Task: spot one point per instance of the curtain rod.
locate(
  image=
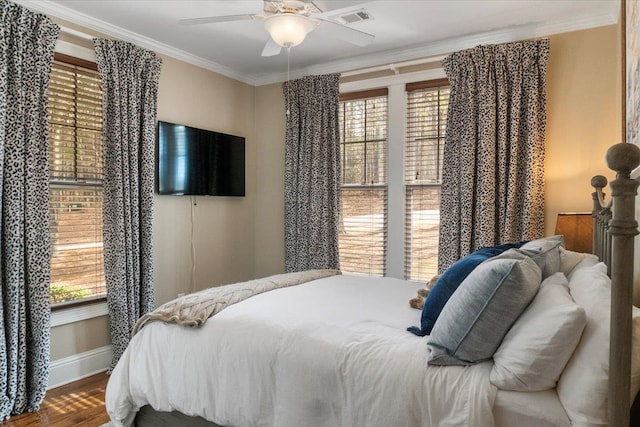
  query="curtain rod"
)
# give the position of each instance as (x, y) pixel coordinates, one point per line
(393, 66)
(75, 33)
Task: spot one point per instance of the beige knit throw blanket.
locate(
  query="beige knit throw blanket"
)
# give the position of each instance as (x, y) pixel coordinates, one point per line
(194, 309)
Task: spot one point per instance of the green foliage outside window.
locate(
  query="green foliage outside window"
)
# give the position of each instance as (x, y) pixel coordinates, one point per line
(67, 293)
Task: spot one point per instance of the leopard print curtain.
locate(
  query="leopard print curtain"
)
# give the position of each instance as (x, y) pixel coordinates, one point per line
(493, 169)
(312, 173)
(27, 42)
(129, 76)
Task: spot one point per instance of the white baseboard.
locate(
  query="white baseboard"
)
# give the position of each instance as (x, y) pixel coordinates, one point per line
(78, 366)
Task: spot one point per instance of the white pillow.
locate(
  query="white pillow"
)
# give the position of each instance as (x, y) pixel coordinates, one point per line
(546, 253)
(583, 385)
(536, 349)
(589, 261)
(569, 259)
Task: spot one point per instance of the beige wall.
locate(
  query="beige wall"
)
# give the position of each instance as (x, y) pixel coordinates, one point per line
(583, 116)
(269, 214)
(223, 227)
(78, 337)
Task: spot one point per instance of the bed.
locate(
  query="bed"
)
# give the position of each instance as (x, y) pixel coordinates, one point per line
(325, 349)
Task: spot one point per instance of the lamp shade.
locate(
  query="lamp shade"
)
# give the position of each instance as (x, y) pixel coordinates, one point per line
(288, 29)
(577, 229)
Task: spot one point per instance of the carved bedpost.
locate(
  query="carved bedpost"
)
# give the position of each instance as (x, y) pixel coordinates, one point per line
(622, 158)
(606, 224)
(598, 182)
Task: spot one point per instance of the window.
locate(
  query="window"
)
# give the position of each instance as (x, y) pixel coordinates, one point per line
(363, 214)
(425, 133)
(75, 186)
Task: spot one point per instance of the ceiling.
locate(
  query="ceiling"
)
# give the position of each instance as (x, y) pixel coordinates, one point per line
(403, 30)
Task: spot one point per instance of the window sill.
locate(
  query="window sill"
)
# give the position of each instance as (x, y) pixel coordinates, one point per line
(79, 313)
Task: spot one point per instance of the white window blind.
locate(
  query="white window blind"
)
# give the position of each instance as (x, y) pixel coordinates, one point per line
(427, 104)
(363, 214)
(75, 190)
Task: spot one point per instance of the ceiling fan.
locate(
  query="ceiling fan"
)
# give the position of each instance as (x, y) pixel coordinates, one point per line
(288, 23)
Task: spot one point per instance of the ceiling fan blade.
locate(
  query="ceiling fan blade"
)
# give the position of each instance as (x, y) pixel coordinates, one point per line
(348, 34)
(214, 19)
(271, 48)
(314, 4)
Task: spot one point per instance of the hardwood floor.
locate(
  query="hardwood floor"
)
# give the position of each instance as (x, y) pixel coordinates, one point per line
(80, 403)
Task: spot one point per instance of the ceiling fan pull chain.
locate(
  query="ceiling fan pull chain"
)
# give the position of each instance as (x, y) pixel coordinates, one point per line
(288, 80)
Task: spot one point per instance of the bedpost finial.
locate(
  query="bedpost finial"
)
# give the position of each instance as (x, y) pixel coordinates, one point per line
(623, 157)
(598, 181)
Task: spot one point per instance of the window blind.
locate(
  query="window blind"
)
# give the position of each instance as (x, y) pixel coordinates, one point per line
(75, 190)
(427, 104)
(363, 213)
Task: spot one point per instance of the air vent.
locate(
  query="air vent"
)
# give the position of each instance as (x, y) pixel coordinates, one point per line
(351, 17)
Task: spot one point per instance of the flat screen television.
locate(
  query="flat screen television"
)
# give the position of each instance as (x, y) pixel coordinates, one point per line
(191, 161)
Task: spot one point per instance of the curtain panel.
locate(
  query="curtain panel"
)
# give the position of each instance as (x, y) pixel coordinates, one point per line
(27, 42)
(129, 76)
(312, 173)
(493, 168)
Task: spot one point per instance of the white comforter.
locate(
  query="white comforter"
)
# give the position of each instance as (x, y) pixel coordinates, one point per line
(332, 352)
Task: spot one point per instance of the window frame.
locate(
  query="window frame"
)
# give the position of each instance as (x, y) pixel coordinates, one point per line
(426, 184)
(373, 187)
(395, 84)
(94, 306)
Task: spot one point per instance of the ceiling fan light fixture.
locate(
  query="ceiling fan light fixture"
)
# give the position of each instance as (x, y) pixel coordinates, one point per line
(288, 29)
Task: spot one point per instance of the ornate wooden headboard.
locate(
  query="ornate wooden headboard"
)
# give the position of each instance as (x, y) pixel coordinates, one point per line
(615, 227)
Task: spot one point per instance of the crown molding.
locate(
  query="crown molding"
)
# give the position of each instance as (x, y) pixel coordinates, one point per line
(368, 60)
(61, 12)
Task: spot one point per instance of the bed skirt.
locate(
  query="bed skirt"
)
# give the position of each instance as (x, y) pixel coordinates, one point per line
(149, 417)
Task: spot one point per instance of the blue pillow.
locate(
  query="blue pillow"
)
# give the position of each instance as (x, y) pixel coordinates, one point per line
(449, 281)
(481, 311)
